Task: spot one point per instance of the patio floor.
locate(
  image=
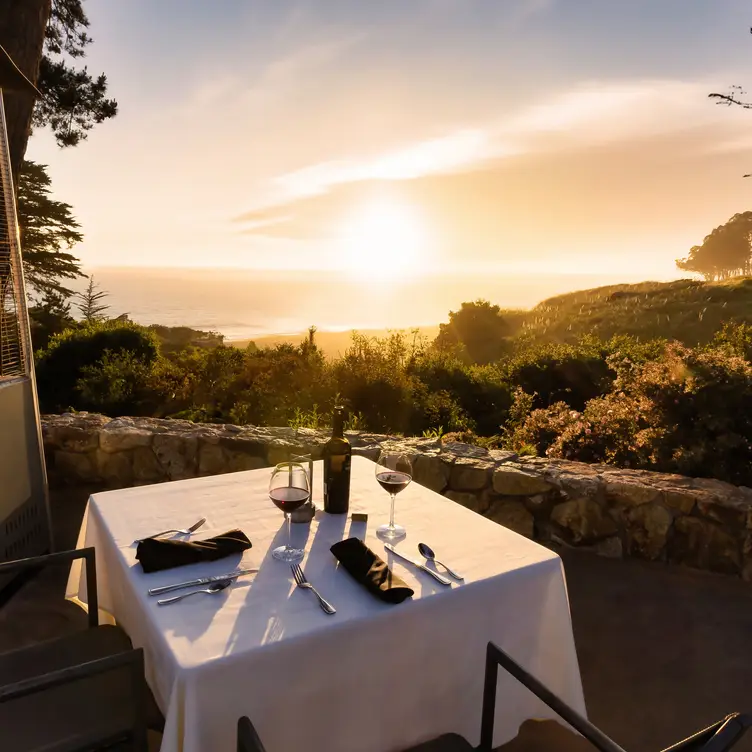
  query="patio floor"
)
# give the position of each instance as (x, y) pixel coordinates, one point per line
(662, 650)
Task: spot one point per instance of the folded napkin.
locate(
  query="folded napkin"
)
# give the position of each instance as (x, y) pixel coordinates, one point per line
(164, 553)
(370, 571)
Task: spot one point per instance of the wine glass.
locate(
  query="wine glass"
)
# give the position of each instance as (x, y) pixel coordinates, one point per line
(394, 471)
(289, 488)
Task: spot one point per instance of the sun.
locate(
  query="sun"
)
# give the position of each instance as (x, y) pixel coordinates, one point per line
(384, 233)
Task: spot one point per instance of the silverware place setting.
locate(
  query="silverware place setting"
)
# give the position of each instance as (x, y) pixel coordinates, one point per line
(302, 582)
(427, 553)
(438, 577)
(213, 589)
(201, 581)
(187, 531)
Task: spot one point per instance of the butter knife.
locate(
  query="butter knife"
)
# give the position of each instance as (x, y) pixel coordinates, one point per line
(200, 581)
(435, 575)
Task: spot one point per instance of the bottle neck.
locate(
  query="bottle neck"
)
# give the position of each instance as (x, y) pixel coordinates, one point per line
(338, 426)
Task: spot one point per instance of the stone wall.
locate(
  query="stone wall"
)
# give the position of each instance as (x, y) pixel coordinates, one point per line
(697, 522)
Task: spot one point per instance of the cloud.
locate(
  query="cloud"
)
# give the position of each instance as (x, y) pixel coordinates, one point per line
(590, 114)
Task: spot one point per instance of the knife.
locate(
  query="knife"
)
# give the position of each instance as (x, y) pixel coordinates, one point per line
(435, 575)
(201, 581)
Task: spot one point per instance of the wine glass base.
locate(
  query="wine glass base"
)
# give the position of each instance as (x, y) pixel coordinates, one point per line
(288, 554)
(391, 533)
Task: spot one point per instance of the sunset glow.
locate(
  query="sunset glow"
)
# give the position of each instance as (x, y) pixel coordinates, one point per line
(384, 234)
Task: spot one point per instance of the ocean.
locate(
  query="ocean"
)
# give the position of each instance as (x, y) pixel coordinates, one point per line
(243, 304)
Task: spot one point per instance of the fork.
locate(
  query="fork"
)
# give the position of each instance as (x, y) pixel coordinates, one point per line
(302, 582)
(186, 531)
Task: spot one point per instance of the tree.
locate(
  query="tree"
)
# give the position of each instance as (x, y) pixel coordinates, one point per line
(48, 231)
(91, 307)
(44, 37)
(479, 328)
(725, 252)
(22, 34)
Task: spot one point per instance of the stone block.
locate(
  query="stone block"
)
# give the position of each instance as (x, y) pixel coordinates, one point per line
(703, 544)
(730, 511)
(647, 530)
(469, 475)
(681, 500)
(76, 467)
(475, 502)
(120, 438)
(509, 480)
(626, 493)
(72, 438)
(512, 514)
(212, 460)
(177, 454)
(146, 466)
(116, 469)
(583, 521)
(431, 472)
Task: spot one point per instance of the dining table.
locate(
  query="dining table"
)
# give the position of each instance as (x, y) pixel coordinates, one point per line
(374, 676)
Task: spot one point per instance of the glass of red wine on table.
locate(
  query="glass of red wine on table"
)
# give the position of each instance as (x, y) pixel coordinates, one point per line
(289, 488)
(394, 471)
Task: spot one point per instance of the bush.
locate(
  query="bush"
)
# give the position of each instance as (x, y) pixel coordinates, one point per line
(62, 363)
(689, 412)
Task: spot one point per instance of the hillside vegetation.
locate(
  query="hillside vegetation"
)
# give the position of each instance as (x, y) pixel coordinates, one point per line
(655, 376)
(689, 311)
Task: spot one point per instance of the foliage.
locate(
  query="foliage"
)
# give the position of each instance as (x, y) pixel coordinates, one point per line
(72, 101)
(91, 306)
(478, 329)
(63, 362)
(689, 311)
(724, 253)
(687, 412)
(48, 231)
(50, 316)
(173, 339)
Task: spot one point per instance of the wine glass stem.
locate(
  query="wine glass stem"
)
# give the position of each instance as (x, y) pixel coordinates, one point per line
(288, 517)
(391, 512)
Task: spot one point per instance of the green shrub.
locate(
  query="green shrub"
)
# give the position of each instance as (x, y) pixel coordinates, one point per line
(689, 412)
(62, 363)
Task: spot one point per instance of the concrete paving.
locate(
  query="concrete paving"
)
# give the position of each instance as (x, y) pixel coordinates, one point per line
(663, 651)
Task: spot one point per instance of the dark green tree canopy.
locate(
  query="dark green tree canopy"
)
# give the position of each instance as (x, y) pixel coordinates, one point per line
(478, 328)
(72, 101)
(48, 231)
(725, 252)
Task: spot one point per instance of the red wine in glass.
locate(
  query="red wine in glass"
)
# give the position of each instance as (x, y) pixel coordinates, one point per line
(394, 471)
(393, 482)
(289, 488)
(289, 499)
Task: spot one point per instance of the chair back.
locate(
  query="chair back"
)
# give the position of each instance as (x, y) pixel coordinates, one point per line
(93, 705)
(248, 739)
(720, 737)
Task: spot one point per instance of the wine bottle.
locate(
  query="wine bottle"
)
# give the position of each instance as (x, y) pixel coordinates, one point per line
(337, 456)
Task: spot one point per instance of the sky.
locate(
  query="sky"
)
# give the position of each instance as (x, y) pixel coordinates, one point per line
(488, 136)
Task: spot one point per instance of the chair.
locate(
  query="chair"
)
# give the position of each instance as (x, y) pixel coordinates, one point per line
(546, 736)
(88, 687)
(248, 739)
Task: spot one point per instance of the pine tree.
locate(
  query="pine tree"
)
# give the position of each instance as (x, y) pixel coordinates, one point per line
(91, 306)
(48, 232)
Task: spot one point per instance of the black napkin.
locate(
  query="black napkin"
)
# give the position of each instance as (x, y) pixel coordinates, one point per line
(370, 571)
(160, 553)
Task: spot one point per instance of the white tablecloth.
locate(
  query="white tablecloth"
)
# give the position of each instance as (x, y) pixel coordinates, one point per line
(374, 677)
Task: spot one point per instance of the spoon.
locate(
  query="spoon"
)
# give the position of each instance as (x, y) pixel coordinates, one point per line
(427, 553)
(217, 587)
